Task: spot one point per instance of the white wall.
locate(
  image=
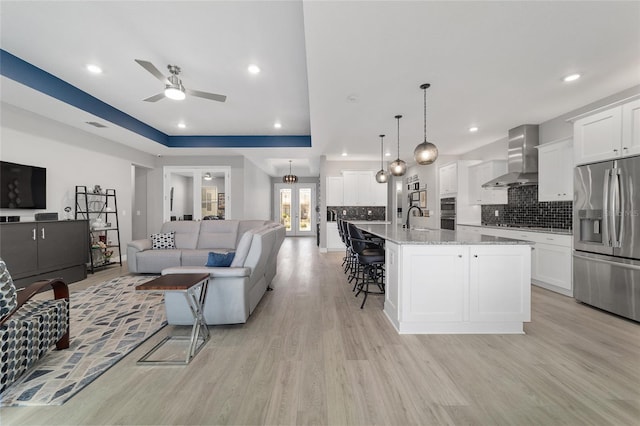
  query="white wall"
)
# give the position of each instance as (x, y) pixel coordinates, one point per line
(257, 192)
(72, 157)
(139, 201)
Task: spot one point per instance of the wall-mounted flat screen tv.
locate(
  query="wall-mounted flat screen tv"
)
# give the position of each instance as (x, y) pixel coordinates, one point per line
(22, 186)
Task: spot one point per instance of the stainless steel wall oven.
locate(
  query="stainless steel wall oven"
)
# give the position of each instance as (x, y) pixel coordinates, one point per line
(448, 213)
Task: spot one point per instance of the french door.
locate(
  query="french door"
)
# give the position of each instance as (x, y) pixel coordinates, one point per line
(295, 208)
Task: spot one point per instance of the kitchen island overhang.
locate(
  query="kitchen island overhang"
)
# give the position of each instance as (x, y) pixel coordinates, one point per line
(453, 282)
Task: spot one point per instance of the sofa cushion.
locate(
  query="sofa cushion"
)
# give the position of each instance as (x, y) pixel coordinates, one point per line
(152, 261)
(243, 249)
(162, 241)
(8, 300)
(246, 225)
(218, 234)
(220, 259)
(186, 232)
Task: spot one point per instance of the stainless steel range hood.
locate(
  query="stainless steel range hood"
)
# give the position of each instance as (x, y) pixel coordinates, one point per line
(522, 165)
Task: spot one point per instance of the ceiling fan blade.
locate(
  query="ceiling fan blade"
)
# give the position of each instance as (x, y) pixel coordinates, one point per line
(206, 95)
(153, 70)
(155, 98)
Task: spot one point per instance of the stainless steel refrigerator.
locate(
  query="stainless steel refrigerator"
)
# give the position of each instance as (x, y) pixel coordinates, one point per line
(606, 234)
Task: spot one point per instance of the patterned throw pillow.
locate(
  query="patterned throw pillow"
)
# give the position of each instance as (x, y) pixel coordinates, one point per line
(163, 241)
(7, 291)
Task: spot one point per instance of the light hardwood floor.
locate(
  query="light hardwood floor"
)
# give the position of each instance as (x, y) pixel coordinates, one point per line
(309, 355)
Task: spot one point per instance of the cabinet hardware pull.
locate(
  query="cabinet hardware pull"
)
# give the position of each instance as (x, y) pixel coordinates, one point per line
(459, 255)
(615, 150)
(475, 255)
(33, 237)
(43, 233)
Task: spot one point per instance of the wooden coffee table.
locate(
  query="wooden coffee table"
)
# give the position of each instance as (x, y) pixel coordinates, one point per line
(194, 288)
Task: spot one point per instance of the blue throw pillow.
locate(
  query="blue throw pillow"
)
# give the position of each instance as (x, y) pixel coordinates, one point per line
(220, 259)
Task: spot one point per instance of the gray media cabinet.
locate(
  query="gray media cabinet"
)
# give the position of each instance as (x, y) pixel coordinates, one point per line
(47, 249)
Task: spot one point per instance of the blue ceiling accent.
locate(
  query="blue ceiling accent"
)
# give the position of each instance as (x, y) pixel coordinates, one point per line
(301, 141)
(23, 72)
(36, 78)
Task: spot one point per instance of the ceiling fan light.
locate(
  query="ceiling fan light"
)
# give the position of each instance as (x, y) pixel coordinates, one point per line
(174, 93)
(425, 153)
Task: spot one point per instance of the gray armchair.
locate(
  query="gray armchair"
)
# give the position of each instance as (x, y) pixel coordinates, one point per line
(28, 328)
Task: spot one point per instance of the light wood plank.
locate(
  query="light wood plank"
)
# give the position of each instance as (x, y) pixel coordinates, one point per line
(310, 355)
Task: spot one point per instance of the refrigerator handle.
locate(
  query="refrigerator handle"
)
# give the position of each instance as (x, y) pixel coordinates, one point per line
(618, 206)
(606, 213)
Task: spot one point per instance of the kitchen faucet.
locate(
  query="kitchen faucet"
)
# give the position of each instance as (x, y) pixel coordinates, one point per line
(409, 214)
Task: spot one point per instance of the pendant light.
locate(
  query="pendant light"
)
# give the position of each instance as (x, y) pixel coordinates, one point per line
(426, 152)
(398, 167)
(290, 178)
(382, 176)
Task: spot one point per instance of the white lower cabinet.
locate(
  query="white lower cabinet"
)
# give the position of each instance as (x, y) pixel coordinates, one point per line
(426, 298)
(551, 257)
(552, 266)
(334, 242)
(496, 292)
(458, 288)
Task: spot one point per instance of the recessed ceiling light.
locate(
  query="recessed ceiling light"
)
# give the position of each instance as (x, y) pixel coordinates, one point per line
(572, 77)
(94, 69)
(253, 69)
(277, 125)
(473, 129)
(344, 154)
(182, 125)
(387, 154)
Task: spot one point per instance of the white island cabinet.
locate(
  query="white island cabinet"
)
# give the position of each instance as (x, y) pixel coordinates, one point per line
(448, 282)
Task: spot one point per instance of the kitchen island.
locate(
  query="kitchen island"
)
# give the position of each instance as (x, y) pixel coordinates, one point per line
(441, 282)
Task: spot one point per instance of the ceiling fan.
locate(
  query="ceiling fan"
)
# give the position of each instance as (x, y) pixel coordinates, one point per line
(173, 85)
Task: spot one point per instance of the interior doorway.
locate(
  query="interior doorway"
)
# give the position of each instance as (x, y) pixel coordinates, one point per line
(295, 208)
(196, 193)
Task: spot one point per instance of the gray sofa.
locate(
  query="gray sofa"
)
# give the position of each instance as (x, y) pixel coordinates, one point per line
(234, 292)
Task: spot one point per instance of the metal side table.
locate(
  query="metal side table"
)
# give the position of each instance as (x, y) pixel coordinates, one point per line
(194, 288)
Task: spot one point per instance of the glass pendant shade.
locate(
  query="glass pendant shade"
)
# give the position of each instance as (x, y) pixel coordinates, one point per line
(382, 176)
(290, 178)
(398, 167)
(426, 152)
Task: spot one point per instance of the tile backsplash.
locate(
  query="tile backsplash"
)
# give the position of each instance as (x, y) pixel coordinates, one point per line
(359, 212)
(524, 208)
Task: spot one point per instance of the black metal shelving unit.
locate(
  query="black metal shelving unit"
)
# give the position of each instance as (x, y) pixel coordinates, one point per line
(100, 208)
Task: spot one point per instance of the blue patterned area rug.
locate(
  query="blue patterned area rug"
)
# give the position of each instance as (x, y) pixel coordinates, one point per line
(108, 321)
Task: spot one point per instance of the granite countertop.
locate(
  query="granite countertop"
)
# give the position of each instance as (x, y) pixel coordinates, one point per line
(541, 229)
(424, 236)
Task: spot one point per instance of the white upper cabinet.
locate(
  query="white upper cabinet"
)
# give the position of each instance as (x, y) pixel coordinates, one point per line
(483, 173)
(448, 180)
(609, 134)
(335, 191)
(631, 128)
(555, 171)
(379, 193)
(362, 189)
